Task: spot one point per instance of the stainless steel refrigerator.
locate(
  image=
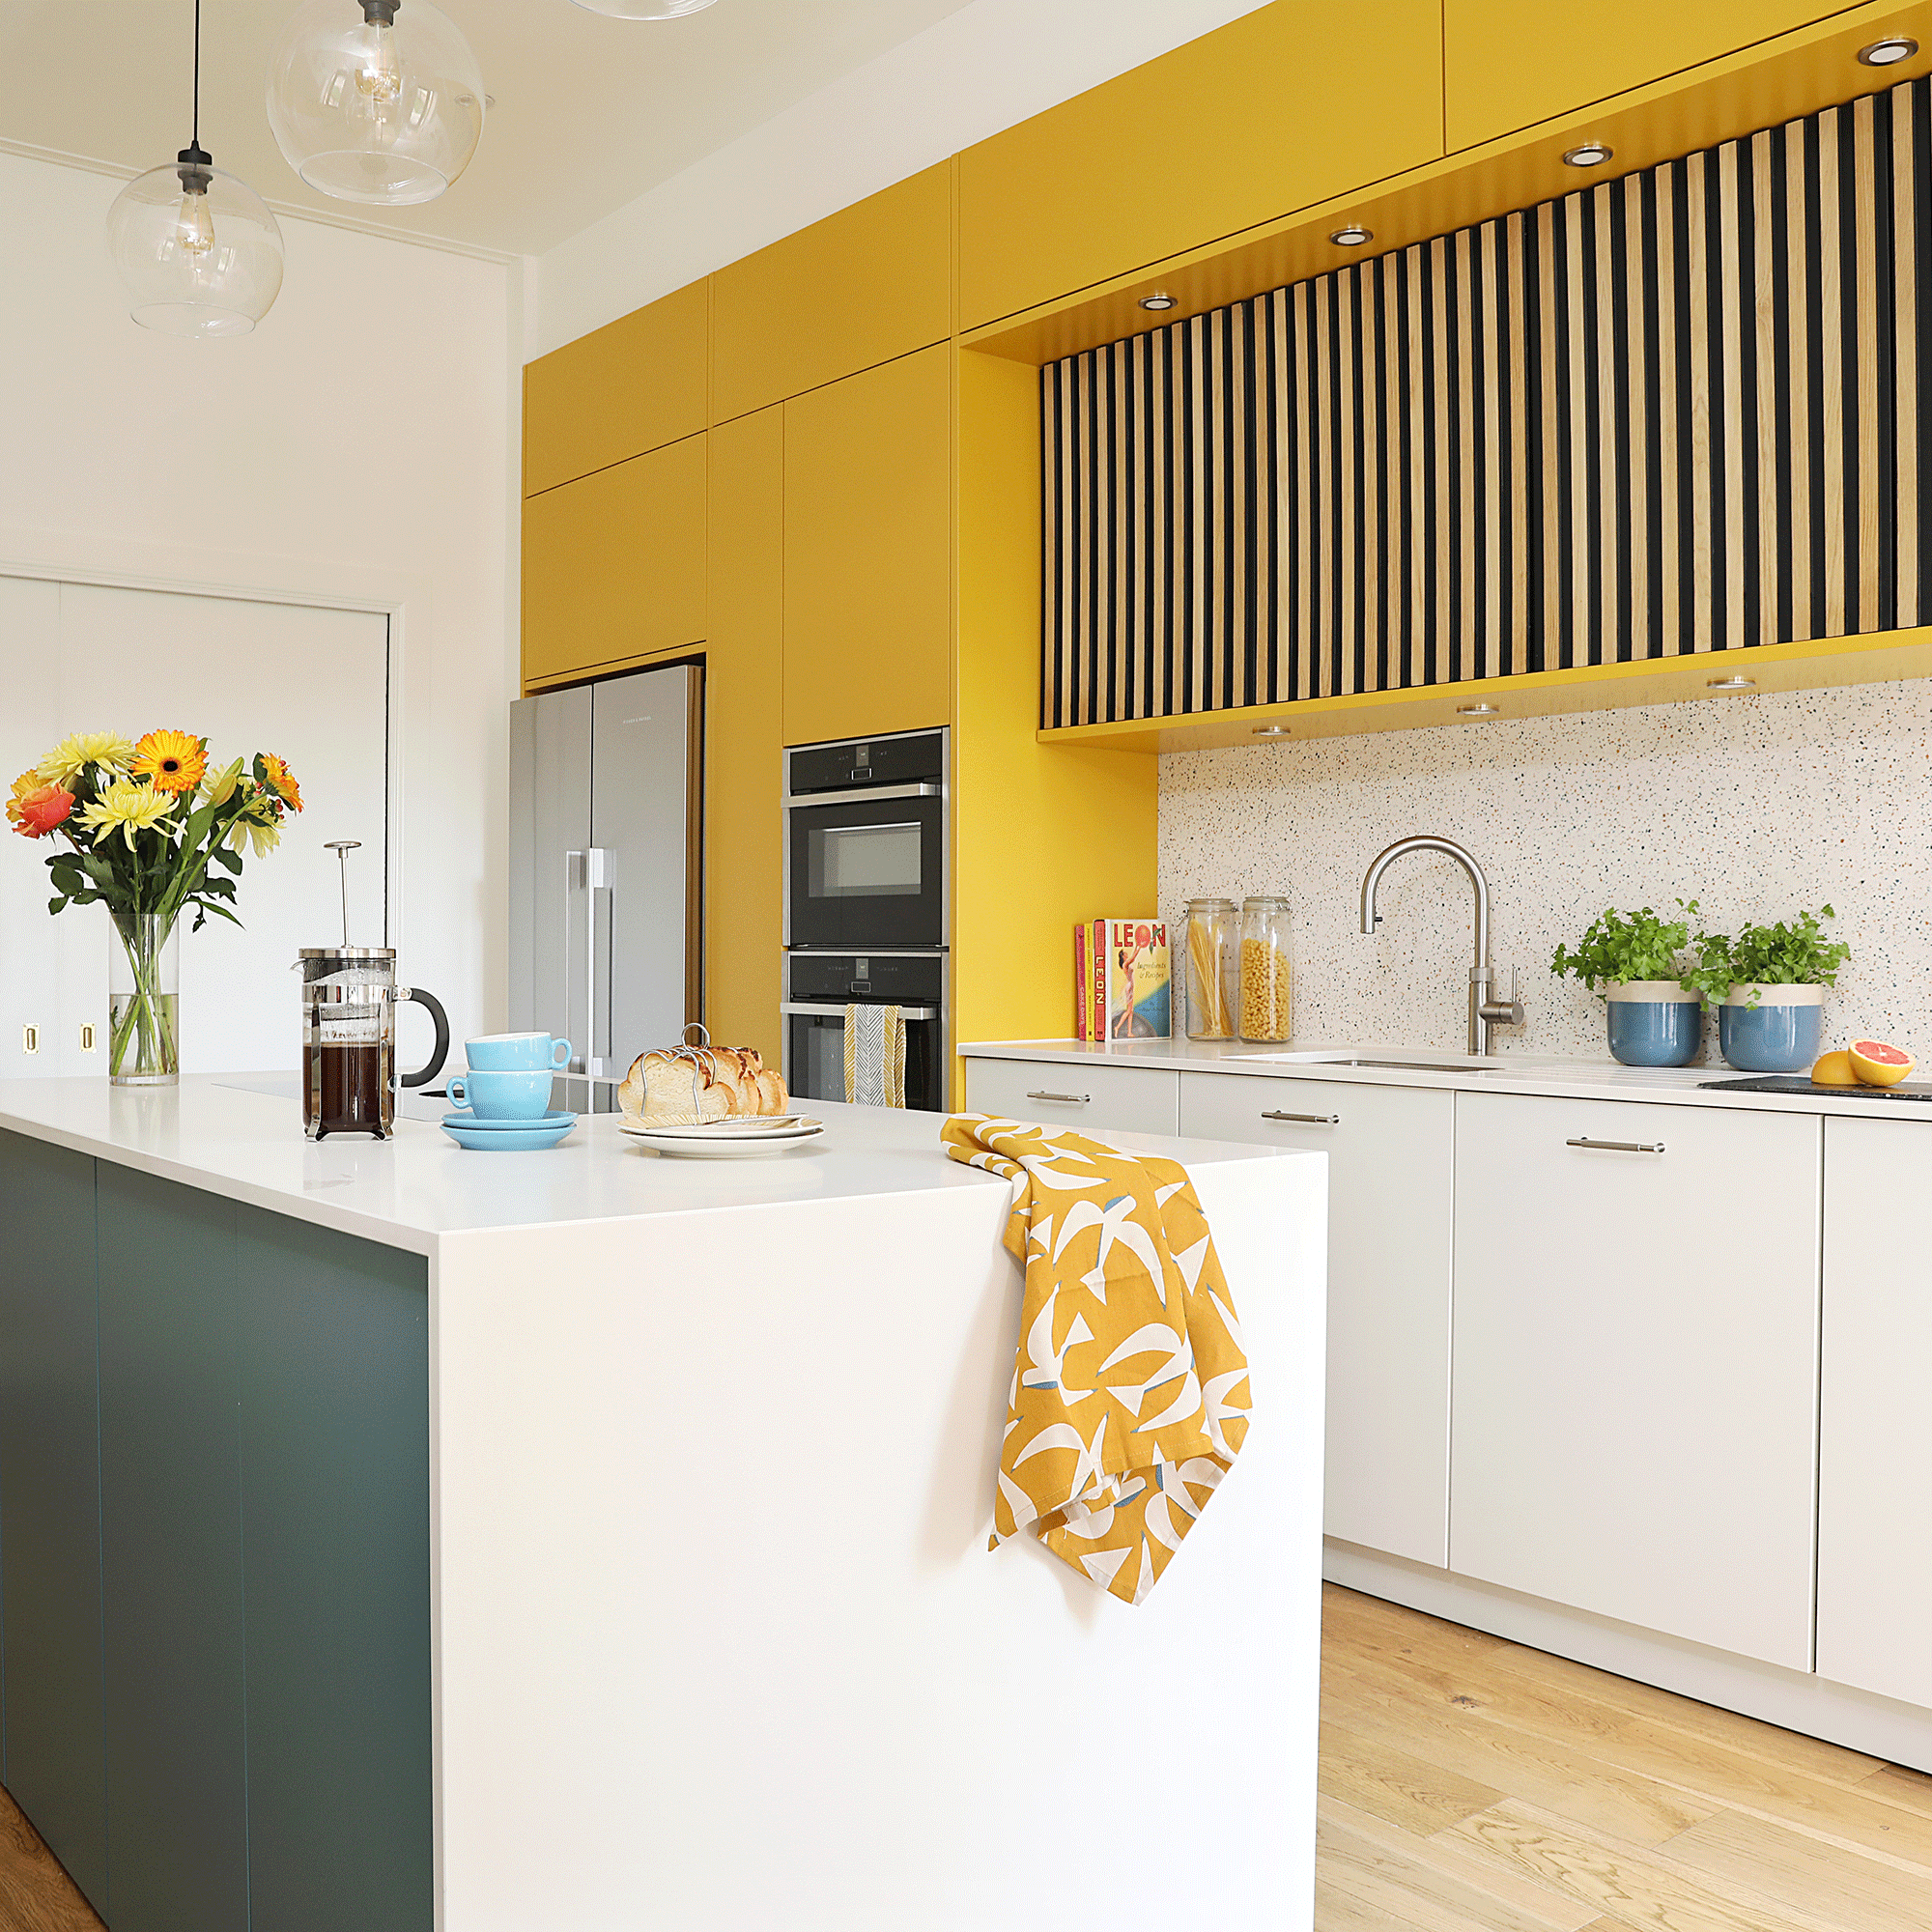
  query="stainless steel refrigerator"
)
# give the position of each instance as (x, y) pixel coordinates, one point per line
(606, 838)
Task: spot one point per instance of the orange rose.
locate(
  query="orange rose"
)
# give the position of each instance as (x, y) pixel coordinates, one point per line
(36, 808)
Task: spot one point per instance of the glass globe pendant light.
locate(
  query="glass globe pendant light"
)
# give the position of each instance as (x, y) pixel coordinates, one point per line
(375, 100)
(647, 10)
(197, 250)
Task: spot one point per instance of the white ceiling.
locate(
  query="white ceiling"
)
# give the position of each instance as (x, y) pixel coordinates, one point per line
(589, 112)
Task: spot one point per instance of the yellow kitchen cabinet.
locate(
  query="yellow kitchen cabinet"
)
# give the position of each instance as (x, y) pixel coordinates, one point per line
(613, 563)
(867, 284)
(744, 846)
(614, 393)
(1291, 104)
(1509, 64)
(869, 551)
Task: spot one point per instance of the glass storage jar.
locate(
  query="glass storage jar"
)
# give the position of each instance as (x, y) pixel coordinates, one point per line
(1213, 945)
(1264, 977)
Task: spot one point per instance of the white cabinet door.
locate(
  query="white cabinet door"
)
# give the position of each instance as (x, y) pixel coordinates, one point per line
(1080, 1094)
(1875, 1448)
(1391, 1157)
(1635, 1364)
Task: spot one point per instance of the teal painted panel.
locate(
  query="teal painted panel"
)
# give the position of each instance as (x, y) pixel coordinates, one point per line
(51, 1506)
(334, 1365)
(171, 1558)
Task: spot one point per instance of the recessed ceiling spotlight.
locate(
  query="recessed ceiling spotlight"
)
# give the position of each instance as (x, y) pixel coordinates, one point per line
(1730, 684)
(1269, 731)
(1588, 154)
(1157, 301)
(1478, 711)
(1352, 236)
(1890, 51)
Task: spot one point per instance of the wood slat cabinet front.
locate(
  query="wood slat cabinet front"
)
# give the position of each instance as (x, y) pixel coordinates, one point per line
(1275, 111)
(873, 282)
(1076, 1093)
(1391, 1219)
(1875, 1422)
(1635, 1376)
(869, 553)
(1506, 66)
(613, 564)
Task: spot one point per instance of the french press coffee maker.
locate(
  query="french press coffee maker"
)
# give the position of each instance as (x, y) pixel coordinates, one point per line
(349, 996)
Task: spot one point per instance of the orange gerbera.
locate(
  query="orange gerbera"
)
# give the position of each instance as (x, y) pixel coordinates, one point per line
(171, 761)
(280, 781)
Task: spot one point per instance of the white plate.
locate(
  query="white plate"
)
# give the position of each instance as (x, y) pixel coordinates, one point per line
(789, 1126)
(696, 1147)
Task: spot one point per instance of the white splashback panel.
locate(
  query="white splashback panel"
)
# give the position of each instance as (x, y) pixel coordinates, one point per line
(1754, 806)
(310, 684)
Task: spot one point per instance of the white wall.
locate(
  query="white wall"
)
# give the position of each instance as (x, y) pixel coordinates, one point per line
(357, 448)
(990, 65)
(1755, 807)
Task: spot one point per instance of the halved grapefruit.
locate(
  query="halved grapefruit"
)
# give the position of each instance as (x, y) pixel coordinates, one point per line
(1878, 1065)
(1834, 1069)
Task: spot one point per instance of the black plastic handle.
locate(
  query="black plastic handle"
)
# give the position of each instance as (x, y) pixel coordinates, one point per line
(423, 998)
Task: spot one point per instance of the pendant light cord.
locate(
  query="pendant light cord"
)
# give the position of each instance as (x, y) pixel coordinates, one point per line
(197, 74)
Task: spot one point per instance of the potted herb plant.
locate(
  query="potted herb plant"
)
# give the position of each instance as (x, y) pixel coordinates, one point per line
(1768, 983)
(1631, 957)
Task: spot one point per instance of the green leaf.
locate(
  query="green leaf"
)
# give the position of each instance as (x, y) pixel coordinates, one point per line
(1621, 947)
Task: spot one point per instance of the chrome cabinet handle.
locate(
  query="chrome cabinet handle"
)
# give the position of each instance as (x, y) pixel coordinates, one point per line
(1616, 1147)
(590, 868)
(1072, 1100)
(825, 1009)
(1311, 1120)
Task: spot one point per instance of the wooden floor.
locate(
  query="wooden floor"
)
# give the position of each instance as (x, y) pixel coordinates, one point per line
(1470, 1786)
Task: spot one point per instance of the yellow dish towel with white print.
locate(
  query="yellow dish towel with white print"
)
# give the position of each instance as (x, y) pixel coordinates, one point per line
(1129, 1399)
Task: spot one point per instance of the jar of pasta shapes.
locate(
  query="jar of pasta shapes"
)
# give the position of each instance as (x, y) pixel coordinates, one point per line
(1213, 972)
(1264, 971)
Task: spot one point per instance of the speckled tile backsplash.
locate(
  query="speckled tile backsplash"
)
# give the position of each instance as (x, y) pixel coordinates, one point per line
(1754, 806)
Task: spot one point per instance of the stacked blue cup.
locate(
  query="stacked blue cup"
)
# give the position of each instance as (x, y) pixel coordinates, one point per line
(506, 1093)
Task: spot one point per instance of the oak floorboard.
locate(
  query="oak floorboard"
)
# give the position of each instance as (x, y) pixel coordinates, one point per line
(36, 1893)
(1378, 1778)
(1803, 1877)
(1898, 1785)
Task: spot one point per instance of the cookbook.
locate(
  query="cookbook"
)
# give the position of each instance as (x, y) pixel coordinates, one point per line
(1122, 980)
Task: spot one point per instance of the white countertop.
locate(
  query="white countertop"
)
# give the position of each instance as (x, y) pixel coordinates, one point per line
(1506, 1073)
(406, 1193)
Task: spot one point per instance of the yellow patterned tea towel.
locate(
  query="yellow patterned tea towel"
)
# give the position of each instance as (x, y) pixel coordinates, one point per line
(875, 1050)
(1130, 1398)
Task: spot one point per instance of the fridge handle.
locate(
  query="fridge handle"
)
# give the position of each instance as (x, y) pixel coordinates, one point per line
(592, 867)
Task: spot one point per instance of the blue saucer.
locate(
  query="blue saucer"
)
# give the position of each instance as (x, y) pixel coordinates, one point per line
(532, 1123)
(522, 1137)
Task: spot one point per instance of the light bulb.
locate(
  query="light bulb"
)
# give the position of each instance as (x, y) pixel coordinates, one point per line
(194, 226)
(379, 68)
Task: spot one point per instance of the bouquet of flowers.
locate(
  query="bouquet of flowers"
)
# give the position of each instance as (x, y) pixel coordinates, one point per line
(149, 833)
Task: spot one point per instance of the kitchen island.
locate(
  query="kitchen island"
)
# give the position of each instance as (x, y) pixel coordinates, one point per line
(393, 1537)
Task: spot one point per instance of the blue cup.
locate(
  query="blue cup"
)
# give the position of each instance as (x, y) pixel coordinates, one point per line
(503, 1096)
(517, 1053)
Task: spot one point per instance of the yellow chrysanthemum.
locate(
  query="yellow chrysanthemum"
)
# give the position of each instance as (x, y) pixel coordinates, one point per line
(74, 755)
(280, 781)
(264, 837)
(171, 761)
(131, 807)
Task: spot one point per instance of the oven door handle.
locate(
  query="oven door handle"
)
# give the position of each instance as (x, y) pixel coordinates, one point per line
(848, 794)
(813, 1011)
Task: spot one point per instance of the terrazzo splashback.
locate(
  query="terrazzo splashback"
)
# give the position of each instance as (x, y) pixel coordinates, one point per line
(1754, 806)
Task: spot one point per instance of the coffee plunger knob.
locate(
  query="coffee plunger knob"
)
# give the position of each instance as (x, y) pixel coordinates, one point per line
(342, 847)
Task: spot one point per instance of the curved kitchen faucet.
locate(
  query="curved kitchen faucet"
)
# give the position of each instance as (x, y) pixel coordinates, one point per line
(1484, 1013)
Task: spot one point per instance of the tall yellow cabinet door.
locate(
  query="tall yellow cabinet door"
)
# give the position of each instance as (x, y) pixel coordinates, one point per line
(869, 553)
(635, 384)
(1509, 64)
(613, 564)
(744, 862)
(1281, 109)
(868, 283)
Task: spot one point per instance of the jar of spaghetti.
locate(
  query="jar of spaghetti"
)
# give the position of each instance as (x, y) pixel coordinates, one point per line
(1264, 974)
(1213, 946)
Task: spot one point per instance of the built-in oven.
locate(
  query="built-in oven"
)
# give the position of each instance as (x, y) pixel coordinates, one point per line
(865, 844)
(819, 987)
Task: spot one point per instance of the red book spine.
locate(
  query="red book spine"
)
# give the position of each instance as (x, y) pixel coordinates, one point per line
(1098, 1029)
(1079, 982)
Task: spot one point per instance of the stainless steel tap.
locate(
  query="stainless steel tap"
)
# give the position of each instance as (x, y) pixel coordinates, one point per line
(1485, 1013)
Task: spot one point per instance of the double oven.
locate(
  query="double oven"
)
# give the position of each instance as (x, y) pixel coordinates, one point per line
(865, 906)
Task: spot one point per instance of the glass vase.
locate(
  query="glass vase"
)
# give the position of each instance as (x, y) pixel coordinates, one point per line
(143, 985)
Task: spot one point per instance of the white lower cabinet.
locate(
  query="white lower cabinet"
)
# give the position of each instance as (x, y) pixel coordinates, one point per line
(1390, 1172)
(1635, 1364)
(1081, 1094)
(1875, 1448)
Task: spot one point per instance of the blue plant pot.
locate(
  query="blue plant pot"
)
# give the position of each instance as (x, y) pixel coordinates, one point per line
(1771, 1038)
(1654, 1032)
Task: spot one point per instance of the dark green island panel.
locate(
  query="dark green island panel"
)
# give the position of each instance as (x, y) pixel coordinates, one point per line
(50, 1505)
(214, 1658)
